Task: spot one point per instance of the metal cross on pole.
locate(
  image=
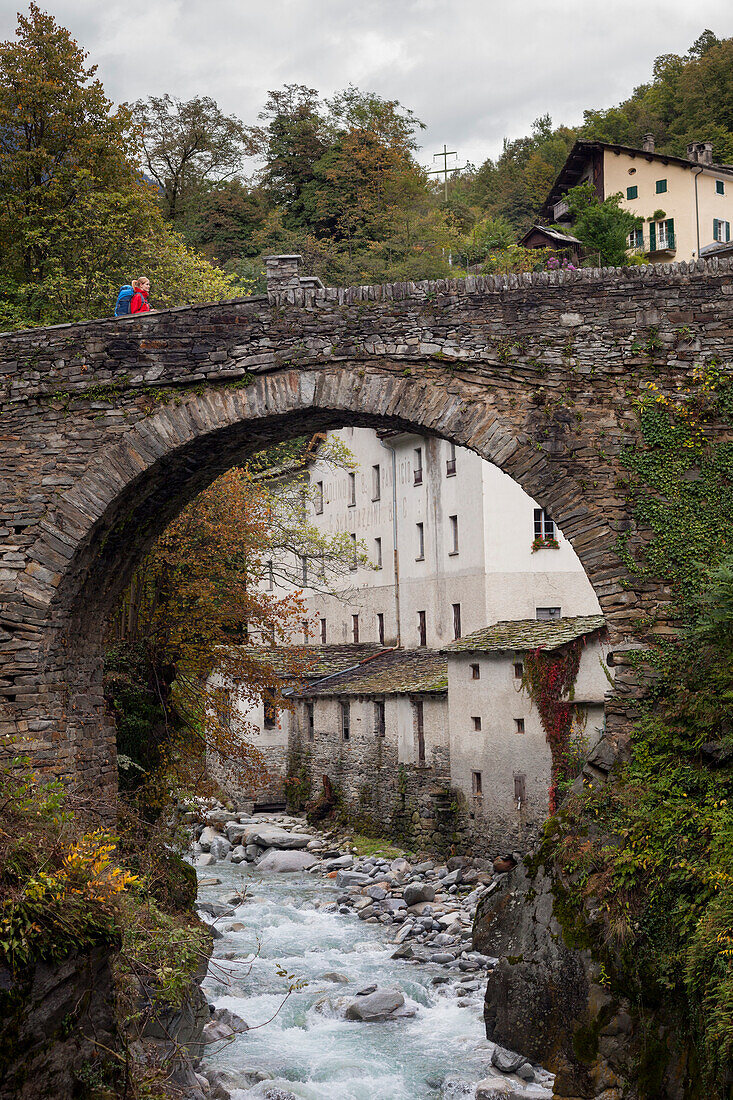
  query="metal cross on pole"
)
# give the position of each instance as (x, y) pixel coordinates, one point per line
(444, 170)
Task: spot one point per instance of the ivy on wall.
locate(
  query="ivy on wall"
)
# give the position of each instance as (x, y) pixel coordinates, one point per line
(651, 853)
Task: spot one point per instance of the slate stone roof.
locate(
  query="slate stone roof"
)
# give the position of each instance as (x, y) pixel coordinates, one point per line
(316, 661)
(524, 634)
(392, 672)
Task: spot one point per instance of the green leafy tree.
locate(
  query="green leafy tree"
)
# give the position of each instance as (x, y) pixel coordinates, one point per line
(187, 144)
(602, 227)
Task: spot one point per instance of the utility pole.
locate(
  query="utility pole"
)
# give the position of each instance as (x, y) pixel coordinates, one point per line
(444, 170)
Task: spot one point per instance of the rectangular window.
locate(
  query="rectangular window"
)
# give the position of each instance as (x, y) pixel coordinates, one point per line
(719, 187)
(305, 626)
(418, 466)
(318, 502)
(379, 722)
(376, 484)
(518, 670)
(380, 627)
(453, 520)
(661, 186)
(662, 239)
(450, 462)
(635, 238)
(456, 620)
(304, 569)
(420, 556)
(270, 713)
(519, 725)
(476, 785)
(520, 790)
(345, 721)
(270, 576)
(352, 490)
(547, 613)
(476, 723)
(420, 730)
(354, 563)
(632, 192)
(422, 630)
(544, 527)
(721, 230)
(355, 628)
(475, 672)
(323, 631)
(377, 553)
(310, 721)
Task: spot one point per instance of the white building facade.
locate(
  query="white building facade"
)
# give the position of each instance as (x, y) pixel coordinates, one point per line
(453, 544)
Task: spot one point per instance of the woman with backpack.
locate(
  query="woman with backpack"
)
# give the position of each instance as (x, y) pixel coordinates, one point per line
(133, 298)
(141, 288)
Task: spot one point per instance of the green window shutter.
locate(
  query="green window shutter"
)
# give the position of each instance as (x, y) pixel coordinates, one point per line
(727, 232)
(652, 237)
(715, 229)
(661, 186)
(670, 233)
(719, 187)
(632, 192)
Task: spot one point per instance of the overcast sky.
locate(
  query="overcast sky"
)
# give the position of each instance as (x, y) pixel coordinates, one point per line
(474, 71)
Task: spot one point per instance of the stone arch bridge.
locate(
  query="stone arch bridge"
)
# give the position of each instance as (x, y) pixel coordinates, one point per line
(108, 427)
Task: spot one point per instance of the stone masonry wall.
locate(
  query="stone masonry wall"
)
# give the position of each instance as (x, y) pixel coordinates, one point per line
(107, 428)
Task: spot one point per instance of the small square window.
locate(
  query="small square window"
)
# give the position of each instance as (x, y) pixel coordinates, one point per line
(476, 723)
(719, 187)
(632, 192)
(519, 725)
(548, 613)
(518, 670)
(475, 672)
(661, 186)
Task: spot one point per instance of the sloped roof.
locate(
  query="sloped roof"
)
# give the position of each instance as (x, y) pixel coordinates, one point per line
(316, 661)
(553, 234)
(525, 634)
(393, 672)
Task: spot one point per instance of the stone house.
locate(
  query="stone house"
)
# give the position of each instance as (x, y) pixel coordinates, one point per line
(499, 755)
(686, 202)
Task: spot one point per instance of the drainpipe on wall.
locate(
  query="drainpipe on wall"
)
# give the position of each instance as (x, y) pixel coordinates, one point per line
(395, 550)
(697, 214)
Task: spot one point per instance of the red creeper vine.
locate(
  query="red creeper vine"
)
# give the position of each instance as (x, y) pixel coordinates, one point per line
(550, 679)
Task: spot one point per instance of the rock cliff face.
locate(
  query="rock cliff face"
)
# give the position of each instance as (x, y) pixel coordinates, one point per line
(58, 1030)
(549, 998)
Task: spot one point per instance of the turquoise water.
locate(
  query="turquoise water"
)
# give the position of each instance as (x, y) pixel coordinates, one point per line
(309, 1048)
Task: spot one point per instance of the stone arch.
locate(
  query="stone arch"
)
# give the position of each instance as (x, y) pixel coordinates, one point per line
(101, 526)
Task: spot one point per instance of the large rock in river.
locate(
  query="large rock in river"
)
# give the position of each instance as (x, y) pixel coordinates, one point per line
(277, 838)
(379, 1005)
(277, 861)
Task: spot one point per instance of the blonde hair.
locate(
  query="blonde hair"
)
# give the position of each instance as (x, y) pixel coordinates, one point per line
(136, 282)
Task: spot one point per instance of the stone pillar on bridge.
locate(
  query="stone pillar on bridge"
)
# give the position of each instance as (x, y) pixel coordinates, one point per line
(282, 273)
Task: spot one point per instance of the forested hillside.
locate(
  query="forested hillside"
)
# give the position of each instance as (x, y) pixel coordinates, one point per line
(93, 194)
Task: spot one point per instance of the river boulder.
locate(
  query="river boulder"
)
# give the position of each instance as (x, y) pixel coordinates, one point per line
(379, 1005)
(416, 892)
(280, 861)
(279, 838)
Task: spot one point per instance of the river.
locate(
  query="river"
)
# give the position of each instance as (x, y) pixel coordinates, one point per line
(309, 1049)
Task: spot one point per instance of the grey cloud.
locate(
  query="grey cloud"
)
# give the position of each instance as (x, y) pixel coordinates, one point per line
(474, 71)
